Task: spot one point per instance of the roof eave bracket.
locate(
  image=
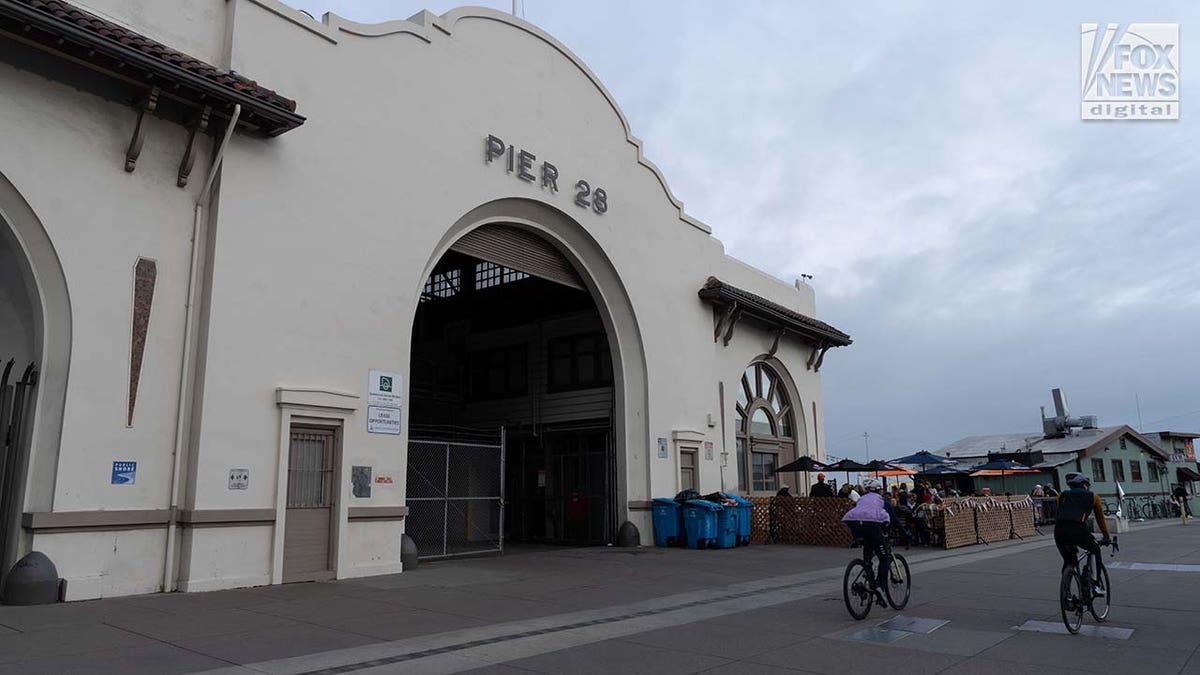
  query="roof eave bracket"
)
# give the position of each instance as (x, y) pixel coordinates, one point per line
(725, 323)
(779, 333)
(147, 104)
(198, 127)
(820, 358)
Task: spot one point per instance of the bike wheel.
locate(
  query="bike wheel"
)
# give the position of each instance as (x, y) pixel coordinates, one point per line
(899, 582)
(856, 590)
(1099, 606)
(1070, 599)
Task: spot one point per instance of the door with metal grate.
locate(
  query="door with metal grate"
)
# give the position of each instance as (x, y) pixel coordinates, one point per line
(455, 497)
(308, 533)
(16, 415)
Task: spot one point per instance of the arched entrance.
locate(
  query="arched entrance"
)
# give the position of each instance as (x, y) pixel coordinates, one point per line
(522, 326)
(34, 358)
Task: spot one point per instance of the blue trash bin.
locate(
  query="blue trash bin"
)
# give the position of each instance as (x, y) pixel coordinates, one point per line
(727, 526)
(700, 523)
(745, 509)
(668, 522)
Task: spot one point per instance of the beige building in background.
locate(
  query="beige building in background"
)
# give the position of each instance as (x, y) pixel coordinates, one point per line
(434, 269)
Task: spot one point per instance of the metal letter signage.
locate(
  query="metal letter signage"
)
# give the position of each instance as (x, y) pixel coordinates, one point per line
(521, 162)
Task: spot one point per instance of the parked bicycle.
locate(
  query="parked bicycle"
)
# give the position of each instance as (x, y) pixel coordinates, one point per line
(1075, 592)
(895, 583)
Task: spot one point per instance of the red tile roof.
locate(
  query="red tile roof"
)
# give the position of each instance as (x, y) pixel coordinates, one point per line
(108, 30)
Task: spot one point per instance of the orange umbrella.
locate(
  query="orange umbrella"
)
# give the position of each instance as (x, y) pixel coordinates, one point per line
(894, 472)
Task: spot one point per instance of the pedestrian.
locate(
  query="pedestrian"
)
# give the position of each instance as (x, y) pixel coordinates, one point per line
(1181, 497)
(918, 492)
(1037, 492)
(820, 488)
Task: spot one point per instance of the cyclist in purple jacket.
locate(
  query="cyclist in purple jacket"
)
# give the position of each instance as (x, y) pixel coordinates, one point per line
(868, 521)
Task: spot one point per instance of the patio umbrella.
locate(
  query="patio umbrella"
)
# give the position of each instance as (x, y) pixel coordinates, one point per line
(848, 465)
(923, 459)
(805, 464)
(1001, 467)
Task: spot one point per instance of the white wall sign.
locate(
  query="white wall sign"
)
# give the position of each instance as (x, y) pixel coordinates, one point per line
(382, 420)
(708, 449)
(386, 479)
(383, 389)
(239, 479)
(662, 448)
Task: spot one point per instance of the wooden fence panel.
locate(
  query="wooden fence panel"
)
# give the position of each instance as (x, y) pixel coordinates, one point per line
(811, 521)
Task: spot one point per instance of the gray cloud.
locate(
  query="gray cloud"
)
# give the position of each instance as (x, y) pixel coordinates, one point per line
(927, 163)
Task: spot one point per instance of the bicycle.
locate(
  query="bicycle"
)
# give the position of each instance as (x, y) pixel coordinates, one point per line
(857, 591)
(1075, 591)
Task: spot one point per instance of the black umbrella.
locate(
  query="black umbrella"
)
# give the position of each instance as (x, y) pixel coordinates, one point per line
(923, 459)
(805, 464)
(848, 465)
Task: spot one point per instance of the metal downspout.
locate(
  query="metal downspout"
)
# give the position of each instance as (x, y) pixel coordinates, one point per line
(170, 565)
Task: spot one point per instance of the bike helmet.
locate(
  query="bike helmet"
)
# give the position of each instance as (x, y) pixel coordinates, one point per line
(1078, 480)
(871, 485)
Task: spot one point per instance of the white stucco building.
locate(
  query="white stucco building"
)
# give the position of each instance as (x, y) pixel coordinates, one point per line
(440, 228)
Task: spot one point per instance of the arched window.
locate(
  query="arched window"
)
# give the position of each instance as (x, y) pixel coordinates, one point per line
(765, 427)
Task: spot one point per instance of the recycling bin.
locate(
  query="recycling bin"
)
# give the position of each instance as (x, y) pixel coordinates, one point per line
(700, 523)
(744, 508)
(668, 522)
(727, 526)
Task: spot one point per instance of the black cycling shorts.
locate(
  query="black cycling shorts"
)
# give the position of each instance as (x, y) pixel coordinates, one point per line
(1070, 534)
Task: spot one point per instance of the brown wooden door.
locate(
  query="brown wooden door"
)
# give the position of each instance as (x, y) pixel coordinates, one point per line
(308, 534)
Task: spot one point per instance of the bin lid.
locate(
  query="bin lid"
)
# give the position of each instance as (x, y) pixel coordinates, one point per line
(701, 504)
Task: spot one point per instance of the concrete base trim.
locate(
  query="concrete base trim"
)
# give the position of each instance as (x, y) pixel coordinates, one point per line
(640, 505)
(358, 571)
(94, 587)
(202, 585)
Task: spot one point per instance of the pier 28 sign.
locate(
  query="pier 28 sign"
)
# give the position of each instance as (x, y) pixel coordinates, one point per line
(1130, 71)
(526, 166)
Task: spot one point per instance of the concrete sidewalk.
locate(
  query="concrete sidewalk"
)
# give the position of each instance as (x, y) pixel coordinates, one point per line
(457, 615)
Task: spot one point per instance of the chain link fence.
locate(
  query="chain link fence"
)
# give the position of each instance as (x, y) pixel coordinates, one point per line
(455, 497)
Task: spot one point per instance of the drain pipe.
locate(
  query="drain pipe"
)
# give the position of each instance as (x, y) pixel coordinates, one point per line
(169, 579)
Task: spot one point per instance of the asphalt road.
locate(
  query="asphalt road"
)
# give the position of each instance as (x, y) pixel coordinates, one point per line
(761, 609)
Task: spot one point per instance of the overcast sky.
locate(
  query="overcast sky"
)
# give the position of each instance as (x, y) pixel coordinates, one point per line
(927, 164)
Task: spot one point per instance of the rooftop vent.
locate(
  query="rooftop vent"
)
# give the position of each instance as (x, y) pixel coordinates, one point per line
(1061, 424)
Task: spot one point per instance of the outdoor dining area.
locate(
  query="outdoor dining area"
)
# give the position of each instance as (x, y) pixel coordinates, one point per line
(940, 503)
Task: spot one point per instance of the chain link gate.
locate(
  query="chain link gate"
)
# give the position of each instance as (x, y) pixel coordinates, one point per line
(455, 497)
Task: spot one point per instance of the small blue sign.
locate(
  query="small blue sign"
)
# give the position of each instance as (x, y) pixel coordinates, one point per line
(124, 473)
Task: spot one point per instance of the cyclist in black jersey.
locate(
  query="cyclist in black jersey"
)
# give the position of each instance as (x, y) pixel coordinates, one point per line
(1075, 504)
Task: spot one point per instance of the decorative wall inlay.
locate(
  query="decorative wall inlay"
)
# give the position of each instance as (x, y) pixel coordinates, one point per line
(145, 274)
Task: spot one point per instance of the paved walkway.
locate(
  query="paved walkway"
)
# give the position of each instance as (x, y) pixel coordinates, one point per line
(768, 609)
